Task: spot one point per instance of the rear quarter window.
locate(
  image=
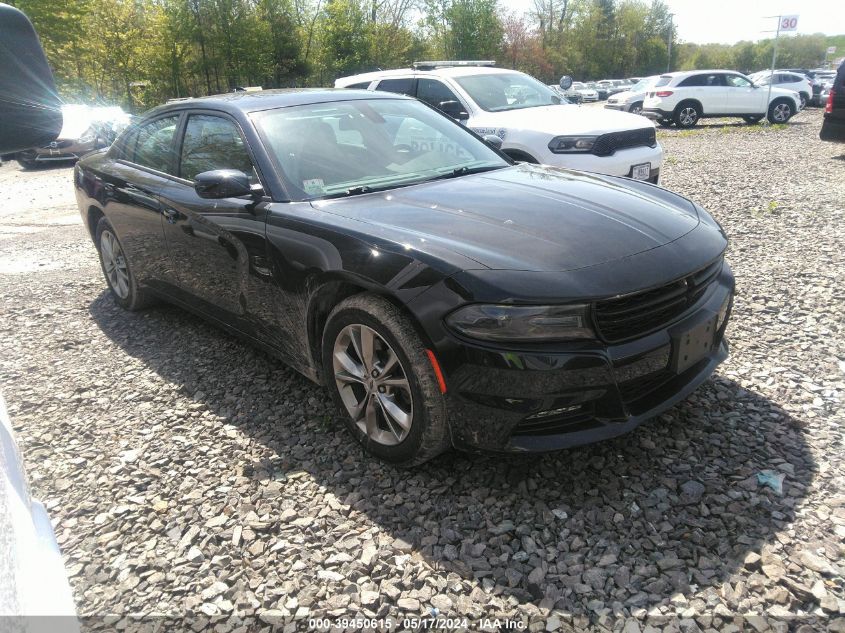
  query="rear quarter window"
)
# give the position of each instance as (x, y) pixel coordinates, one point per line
(663, 81)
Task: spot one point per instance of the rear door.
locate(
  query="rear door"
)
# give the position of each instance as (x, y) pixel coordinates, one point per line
(143, 164)
(708, 89)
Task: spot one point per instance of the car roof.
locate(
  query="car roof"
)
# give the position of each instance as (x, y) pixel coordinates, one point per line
(446, 71)
(244, 102)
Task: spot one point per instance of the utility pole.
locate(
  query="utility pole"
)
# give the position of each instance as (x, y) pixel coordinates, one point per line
(774, 57)
(671, 37)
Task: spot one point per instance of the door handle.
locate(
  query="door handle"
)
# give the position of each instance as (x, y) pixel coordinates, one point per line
(171, 215)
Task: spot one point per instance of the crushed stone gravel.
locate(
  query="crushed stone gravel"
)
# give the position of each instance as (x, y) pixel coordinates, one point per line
(190, 476)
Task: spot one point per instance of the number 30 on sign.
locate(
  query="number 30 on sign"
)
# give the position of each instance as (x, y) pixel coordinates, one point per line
(789, 23)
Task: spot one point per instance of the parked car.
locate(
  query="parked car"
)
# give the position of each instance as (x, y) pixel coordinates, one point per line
(571, 95)
(84, 129)
(823, 81)
(631, 100)
(686, 97)
(613, 86)
(788, 81)
(530, 119)
(833, 125)
(602, 91)
(444, 295)
(588, 95)
(33, 581)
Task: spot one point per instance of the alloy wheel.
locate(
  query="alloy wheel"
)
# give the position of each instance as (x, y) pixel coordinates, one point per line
(688, 116)
(372, 384)
(636, 109)
(114, 264)
(781, 112)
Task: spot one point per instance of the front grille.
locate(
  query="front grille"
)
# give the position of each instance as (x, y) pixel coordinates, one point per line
(607, 144)
(642, 312)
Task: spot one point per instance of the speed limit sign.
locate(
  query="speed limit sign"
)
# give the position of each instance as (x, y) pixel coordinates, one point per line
(789, 23)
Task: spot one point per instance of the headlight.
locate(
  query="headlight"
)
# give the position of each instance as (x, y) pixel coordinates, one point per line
(572, 144)
(521, 323)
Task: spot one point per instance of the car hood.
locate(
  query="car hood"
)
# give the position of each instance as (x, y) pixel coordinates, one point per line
(526, 217)
(560, 119)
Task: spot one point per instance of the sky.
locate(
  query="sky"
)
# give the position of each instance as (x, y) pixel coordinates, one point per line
(729, 21)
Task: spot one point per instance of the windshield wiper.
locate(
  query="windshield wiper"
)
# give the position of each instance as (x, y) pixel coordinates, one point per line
(465, 171)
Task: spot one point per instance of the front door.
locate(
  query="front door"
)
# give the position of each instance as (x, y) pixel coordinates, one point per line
(217, 247)
(743, 97)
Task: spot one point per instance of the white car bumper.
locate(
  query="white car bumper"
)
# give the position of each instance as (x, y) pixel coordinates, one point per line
(620, 163)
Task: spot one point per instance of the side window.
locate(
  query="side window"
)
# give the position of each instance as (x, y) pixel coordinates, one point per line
(434, 92)
(154, 145)
(125, 148)
(736, 81)
(362, 85)
(695, 80)
(400, 86)
(212, 142)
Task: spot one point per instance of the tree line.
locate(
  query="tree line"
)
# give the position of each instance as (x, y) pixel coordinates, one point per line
(141, 52)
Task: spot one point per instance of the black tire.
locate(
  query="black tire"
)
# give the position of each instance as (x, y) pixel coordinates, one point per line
(751, 120)
(26, 163)
(428, 435)
(134, 298)
(805, 99)
(636, 108)
(687, 114)
(665, 123)
(780, 111)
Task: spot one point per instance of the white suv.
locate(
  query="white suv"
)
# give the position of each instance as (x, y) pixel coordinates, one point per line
(683, 98)
(527, 116)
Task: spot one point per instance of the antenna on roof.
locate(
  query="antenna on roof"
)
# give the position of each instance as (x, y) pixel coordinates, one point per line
(451, 64)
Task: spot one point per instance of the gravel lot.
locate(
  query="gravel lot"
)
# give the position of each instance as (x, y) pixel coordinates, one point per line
(191, 476)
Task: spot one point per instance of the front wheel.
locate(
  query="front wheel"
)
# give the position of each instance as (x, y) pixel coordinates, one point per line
(780, 112)
(382, 381)
(665, 122)
(803, 100)
(636, 108)
(687, 115)
(751, 120)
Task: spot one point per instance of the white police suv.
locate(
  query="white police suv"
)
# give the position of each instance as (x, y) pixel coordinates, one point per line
(527, 116)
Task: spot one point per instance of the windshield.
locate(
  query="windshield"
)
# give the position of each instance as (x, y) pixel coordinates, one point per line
(507, 91)
(351, 147)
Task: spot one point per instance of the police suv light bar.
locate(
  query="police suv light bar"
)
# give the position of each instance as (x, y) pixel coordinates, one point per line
(449, 64)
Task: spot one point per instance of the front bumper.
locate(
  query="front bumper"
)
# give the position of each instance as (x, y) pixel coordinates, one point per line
(61, 151)
(560, 397)
(620, 163)
(617, 106)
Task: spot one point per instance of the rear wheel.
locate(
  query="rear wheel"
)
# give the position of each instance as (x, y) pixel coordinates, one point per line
(382, 381)
(117, 270)
(687, 115)
(751, 120)
(665, 122)
(780, 112)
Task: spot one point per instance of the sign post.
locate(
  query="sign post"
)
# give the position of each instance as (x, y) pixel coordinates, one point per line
(785, 23)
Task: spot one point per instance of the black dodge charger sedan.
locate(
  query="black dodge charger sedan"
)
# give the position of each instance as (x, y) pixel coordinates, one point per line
(443, 294)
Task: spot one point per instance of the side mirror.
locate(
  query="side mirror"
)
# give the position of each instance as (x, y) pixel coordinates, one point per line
(223, 183)
(493, 141)
(453, 109)
(30, 108)
(565, 82)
